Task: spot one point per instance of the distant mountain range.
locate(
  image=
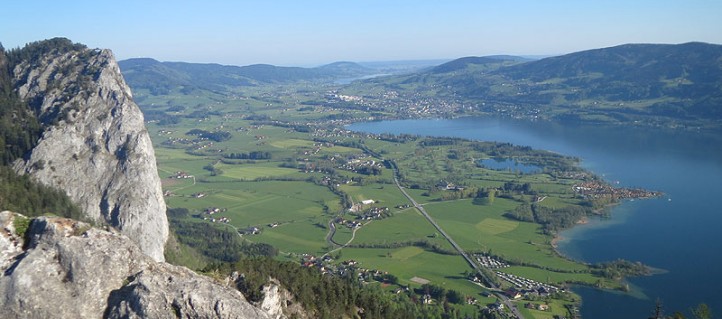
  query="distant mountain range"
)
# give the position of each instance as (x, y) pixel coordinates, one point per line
(631, 82)
(621, 83)
(163, 77)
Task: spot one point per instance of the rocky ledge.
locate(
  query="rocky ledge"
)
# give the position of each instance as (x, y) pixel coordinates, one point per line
(67, 269)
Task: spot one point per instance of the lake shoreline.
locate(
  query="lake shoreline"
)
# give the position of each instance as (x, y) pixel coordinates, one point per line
(679, 162)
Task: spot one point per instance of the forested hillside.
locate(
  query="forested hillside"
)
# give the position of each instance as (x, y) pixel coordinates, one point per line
(164, 77)
(655, 84)
(19, 132)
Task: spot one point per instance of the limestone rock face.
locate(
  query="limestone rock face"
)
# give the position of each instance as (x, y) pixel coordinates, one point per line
(167, 291)
(69, 270)
(279, 303)
(10, 243)
(94, 144)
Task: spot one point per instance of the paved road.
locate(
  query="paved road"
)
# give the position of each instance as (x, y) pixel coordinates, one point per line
(331, 233)
(495, 290)
(461, 251)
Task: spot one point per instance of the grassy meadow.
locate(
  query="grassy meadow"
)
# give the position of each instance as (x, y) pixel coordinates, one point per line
(300, 203)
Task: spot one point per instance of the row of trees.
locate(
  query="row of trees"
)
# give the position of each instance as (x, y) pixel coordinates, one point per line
(19, 127)
(218, 136)
(23, 195)
(220, 244)
(421, 243)
(253, 155)
(552, 219)
(341, 296)
(19, 133)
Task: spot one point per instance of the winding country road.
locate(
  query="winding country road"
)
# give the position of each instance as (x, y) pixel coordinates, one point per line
(332, 232)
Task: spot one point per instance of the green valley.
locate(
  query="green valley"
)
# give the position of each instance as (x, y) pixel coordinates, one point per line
(264, 166)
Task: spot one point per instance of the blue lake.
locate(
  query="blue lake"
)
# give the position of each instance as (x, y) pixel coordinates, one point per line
(680, 233)
(508, 164)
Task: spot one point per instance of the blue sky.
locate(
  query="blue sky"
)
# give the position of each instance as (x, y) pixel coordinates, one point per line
(306, 33)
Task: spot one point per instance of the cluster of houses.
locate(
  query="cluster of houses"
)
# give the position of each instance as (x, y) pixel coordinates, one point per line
(316, 148)
(572, 174)
(210, 211)
(526, 286)
(355, 208)
(308, 152)
(325, 265)
(204, 146)
(596, 189)
(336, 132)
(224, 220)
(357, 163)
(499, 306)
(181, 175)
(370, 214)
(177, 140)
(332, 181)
(165, 132)
(374, 213)
(350, 223)
(535, 306)
(196, 143)
(412, 105)
(449, 186)
(252, 230)
(214, 210)
(490, 261)
(343, 97)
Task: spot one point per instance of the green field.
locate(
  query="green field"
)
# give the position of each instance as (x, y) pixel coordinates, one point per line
(280, 189)
(254, 171)
(410, 262)
(483, 228)
(401, 227)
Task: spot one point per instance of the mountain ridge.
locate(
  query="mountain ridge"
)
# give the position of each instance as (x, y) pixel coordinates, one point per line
(163, 77)
(93, 143)
(653, 83)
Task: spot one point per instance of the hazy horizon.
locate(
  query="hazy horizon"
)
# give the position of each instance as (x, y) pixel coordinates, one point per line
(292, 33)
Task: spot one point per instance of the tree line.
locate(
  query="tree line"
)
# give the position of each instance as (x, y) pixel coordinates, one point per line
(253, 155)
(19, 133)
(551, 219)
(324, 296)
(218, 136)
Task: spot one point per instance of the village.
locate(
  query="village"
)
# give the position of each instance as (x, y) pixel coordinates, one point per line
(597, 189)
(210, 211)
(531, 294)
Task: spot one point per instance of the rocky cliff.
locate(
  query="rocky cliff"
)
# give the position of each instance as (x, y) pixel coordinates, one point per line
(94, 144)
(69, 270)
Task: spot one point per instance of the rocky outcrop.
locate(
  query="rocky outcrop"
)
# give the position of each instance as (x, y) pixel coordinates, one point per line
(10, 243)
(94, 144)
(167, 291)
(279, 303)
(70, 270)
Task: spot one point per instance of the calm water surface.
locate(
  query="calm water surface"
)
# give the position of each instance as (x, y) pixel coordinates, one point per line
(680, 233)
(508, 164)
